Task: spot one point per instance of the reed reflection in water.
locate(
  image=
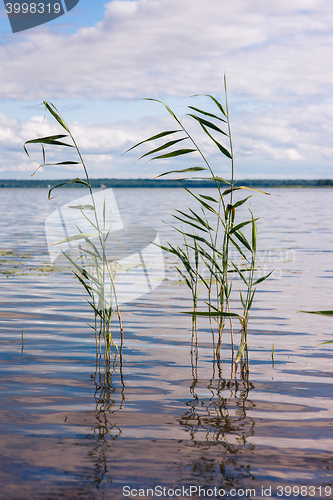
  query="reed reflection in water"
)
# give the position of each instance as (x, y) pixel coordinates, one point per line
(213, 423)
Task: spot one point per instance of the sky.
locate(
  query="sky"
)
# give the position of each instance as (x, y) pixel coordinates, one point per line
(99, 61)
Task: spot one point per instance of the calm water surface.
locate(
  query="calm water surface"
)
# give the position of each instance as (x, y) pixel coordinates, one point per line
(70, 430)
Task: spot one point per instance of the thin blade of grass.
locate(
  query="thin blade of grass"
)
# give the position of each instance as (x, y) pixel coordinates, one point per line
(203, 203)
(63, 163)
(254, 235)
(260, 280)
(153, 138)
(240, 236)
(251, 299)
(210, 313)
(239, 226)
(164, 146)
(191, 169)
(81, 207)
(178, 152)
(240, 274)
(223, 150)
(75, 237)
(211, 115)
(199, 219)
(84, 284)
(218, 104)
(208, 198)
(73, 181)
(208, 124)
(190, 223)
(321, 313)
(55, 113)
(236, 188)
(215, 178)
(48, 140)
(239, 203)
(184, 277)
(239, 354)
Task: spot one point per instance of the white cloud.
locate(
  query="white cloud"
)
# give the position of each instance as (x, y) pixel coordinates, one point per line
(276, 56)
(153, 47)
(284, 141)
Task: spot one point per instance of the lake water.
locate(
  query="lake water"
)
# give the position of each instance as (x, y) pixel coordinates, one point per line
(70, 430)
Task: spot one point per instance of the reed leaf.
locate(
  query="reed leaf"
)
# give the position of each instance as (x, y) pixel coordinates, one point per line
(240, 352)
(241, 275)
(211, 313)
(75, 237)
(252, 297)
(153, 138)
(205, 123)
(209, 257)
(321, 313)
(239, 226)
(206, 113)
(215, 178)
(199, 219)
(238, 248)
(200, 228)
(187, 281)
(73, 181)
(164, 146)
(242, 299)
(218, 104)
(82, 207)
(236, 188)
(222, 149)
(55, 113)
(208, 198)
(240, 236)
(260, 280)
(178, 152)
(238, 203)
(84, 284)
(254, 235)
(203, 203)
(52, 140)
(191, 169)
(188, 216)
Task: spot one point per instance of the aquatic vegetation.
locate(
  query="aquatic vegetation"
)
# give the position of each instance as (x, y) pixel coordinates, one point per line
(91, 267)
(214, 244)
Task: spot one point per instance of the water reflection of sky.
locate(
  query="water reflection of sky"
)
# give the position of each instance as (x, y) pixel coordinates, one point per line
(168, 421)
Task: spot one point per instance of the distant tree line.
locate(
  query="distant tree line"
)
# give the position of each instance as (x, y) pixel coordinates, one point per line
(162, 183)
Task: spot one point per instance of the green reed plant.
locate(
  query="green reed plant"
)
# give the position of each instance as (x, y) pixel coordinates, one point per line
(211, 231)
(96, 268)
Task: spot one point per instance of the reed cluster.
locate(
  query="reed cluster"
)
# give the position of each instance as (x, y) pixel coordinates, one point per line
(214, 243)
(214, 251)
(90, 263)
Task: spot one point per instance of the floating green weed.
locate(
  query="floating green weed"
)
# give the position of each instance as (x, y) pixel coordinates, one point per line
(3, 253)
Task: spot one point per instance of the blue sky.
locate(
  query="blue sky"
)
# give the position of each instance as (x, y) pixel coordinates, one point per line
(98, 61)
